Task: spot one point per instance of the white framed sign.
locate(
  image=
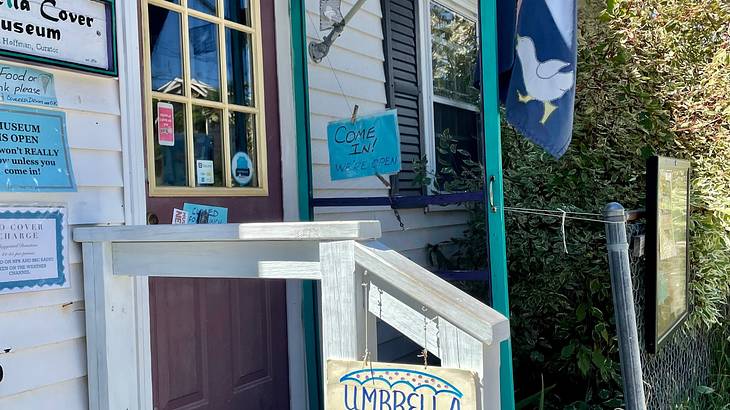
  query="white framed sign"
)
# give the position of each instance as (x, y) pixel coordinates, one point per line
(77, 34)
(390, 386)
(33, 248)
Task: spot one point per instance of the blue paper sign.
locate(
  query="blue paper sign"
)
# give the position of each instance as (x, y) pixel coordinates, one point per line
(205, 214)
(23, 85)
(369, 146)
(34, 154)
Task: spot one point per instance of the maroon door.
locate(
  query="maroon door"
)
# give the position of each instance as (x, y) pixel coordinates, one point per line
(222, 344)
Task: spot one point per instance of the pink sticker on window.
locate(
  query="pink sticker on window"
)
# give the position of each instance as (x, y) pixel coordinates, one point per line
(166, 124)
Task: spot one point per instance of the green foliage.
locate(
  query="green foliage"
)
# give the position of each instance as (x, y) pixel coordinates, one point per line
(717, 395)
(653, 78)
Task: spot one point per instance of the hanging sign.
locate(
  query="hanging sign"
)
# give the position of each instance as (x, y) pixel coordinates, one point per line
(34, 154)
(368, 146)
(389, 386)
(33, 252)
(77, 34)
(23, 85)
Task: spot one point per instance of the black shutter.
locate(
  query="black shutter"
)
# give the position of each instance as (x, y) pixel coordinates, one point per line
(403, 85)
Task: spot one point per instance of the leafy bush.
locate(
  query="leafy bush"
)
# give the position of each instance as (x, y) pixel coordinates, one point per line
(653, 78)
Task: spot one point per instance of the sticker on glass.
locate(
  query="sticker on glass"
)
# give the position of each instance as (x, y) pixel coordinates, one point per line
(242, 168)
(166, 124)
(205, 172)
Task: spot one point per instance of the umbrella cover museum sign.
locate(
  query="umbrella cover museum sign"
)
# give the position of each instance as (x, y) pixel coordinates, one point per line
(77, 34)
(390, 386)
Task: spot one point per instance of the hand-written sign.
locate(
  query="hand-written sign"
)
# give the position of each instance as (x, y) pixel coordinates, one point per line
(205, 214)
(390, 386)
(71, 33)
(23, 85)
(369, 146)
(34, 154)
(32, 248)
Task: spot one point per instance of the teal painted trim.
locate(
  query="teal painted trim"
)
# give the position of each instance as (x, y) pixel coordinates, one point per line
(310, 314)
(493, 160)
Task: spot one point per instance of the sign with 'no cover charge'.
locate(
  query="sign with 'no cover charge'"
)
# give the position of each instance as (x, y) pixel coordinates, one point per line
(366, 147)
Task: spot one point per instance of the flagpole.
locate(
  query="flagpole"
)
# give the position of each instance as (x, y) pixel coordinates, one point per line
(495, 197)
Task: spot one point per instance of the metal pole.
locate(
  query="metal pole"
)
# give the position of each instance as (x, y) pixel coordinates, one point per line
(623, 302)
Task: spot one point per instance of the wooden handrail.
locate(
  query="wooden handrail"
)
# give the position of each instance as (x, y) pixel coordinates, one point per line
(463, 311)
(279, 231)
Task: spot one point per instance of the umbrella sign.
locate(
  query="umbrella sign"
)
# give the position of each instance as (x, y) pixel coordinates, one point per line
(365, 147)
(388, 386)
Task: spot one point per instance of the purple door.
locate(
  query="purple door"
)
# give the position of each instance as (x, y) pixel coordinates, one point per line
(217, 343)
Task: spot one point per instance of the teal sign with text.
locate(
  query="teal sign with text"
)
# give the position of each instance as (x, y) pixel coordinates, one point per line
(23, 85)
(366, 147)
(34, 154)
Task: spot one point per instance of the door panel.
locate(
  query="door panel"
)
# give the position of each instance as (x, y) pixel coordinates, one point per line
(220, 344)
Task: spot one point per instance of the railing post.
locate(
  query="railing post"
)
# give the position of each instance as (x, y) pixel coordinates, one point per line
(343, 306)
(623, 300)
(110, 332)
(459, 350)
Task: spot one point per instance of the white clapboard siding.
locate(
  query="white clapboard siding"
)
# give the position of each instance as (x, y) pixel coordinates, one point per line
(42, 326)
(46, 365)
(45, 330)
(90, 205)
(45, 298)
(71, 394)
(356, 60)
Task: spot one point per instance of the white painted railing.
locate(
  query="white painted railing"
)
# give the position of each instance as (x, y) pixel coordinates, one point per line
(360, 280)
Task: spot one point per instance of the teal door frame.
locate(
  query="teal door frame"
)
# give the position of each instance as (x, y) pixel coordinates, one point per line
(494, 191)
(310, 316)
(495, 196)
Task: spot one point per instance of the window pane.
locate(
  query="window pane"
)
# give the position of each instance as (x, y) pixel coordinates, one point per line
(208, 146)
(165, 51)
(169, 143)
(454, 55)
(239, 67)
(204, 70)
(206, 6)
(238, 11)
(243, 149)
(457, 141)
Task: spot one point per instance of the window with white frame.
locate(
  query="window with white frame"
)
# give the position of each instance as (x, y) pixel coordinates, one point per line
(454, 100)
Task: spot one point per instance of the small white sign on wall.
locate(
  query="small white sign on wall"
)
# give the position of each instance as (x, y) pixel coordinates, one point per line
(71, 33)
(388, 386)
(33, 248)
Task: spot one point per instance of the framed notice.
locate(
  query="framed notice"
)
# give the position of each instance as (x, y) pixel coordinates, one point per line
(76, 34)
(352, 385)
(667, 244)
(34, 154)
(33, 250)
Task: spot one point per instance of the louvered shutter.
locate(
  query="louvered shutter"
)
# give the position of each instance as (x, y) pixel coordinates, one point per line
(403, 85)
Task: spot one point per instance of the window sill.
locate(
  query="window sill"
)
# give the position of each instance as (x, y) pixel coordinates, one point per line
(207, 192)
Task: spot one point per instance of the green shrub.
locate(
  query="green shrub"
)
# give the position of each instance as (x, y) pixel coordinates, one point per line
(653, 78)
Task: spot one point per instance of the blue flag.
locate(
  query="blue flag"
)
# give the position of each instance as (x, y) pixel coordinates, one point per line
(541, 90)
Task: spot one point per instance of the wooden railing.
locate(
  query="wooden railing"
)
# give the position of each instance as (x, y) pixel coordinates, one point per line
(361, 280)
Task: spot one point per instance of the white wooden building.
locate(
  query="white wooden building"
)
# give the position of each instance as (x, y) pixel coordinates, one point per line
(214, 317)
